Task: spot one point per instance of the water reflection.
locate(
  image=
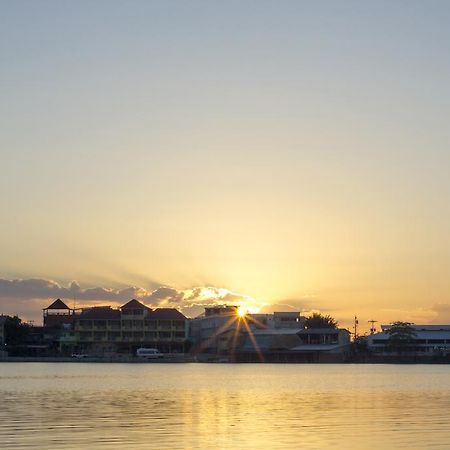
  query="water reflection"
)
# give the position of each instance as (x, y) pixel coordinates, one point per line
(60, 406)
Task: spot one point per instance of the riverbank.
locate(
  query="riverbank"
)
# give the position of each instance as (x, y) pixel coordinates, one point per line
(94, 359)
(178, 359)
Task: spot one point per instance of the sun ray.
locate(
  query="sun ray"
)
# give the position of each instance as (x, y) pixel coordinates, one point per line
(235, 337)
(220, 330)
(252, 338)
(256, 321)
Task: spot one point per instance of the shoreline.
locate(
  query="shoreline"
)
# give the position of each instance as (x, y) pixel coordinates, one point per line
(192, 359)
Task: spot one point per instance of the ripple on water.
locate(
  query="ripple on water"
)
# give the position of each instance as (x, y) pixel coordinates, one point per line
(115, 406)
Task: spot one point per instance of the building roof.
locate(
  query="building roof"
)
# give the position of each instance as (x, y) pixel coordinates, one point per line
(167, 314)
(322, 330)
(100, 313)
(317, 347)
(422, 327)
(57, 304)
(436, 334)
(134, 304)
(108, 313)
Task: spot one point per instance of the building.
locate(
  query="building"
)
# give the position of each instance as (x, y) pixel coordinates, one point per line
(57, 314)
(211, 332)
(292, 344)
(104, 330)
(223, 333)
(427, 340)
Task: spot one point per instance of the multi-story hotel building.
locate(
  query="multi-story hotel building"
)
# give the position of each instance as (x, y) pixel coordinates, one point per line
(104, 329)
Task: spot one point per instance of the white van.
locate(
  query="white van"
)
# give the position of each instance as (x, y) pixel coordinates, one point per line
(149, 353)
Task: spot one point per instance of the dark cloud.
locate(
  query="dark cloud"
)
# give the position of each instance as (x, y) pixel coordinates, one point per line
(27, 297)
(32, 288)
(45, 289)
(164, 293)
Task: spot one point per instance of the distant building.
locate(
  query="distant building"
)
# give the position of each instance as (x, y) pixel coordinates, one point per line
(57, 319)
(291, 344)
(211, 332)
(221, 333)
(428, 340)
(57, 314)
(220, 310)
(103, 329)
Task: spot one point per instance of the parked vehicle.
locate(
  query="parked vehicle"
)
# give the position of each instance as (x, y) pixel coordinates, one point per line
(149, 353)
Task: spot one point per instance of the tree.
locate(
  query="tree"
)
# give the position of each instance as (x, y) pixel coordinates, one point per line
(16, 332)
(317, 320)
(401, 336)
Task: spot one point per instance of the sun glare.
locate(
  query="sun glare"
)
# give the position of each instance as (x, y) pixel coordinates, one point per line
(241, 311)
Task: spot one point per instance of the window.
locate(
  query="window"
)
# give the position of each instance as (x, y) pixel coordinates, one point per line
(151, 324)
(380, 341)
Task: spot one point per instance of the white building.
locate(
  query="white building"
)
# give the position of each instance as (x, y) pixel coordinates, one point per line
(428, 339)
(220, 330)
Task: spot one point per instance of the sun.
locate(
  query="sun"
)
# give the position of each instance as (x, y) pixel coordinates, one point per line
(241, 311)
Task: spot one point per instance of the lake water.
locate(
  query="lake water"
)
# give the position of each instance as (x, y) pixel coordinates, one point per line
(209, 406)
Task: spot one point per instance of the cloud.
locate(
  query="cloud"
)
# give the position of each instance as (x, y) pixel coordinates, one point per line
(27, 297)
(164, 294)
(442, 311)
(36, 288)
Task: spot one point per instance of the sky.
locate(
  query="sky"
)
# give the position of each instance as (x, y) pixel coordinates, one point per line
(291, 155)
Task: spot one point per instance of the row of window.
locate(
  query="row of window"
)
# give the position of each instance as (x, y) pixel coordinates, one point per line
(114, 336)
(131, 323)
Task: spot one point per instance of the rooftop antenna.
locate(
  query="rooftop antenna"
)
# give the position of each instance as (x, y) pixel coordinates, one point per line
(372, 328)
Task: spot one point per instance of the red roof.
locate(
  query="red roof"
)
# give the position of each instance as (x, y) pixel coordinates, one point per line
(58, 304)
(100, 313)
(134, 304)
(167, 314)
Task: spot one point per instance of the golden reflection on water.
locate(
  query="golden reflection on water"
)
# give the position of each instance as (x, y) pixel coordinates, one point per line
(115, 406)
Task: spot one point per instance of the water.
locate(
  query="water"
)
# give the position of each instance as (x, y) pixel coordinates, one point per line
(209, 406)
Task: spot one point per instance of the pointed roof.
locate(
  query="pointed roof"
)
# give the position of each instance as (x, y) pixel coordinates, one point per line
(58, 304)
(134, 304)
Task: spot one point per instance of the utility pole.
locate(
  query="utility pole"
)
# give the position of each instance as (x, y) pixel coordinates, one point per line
(355, 328)
(372, 328)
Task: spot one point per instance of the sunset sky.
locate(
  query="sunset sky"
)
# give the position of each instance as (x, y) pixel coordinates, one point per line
(286, 154)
